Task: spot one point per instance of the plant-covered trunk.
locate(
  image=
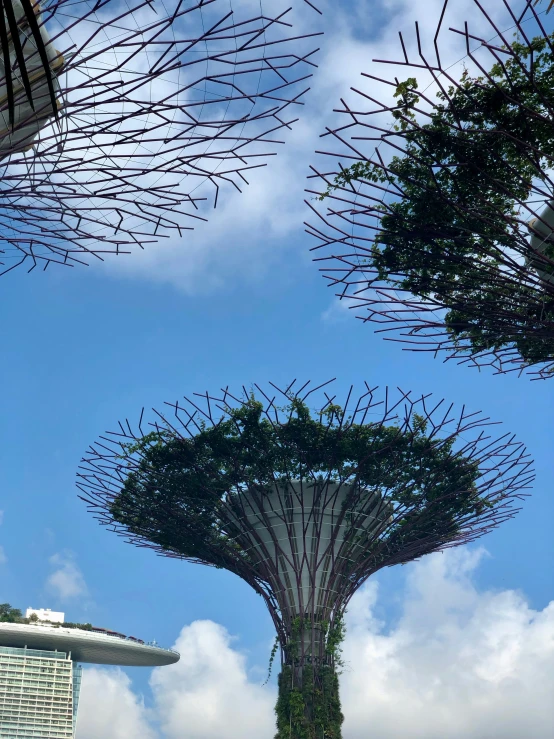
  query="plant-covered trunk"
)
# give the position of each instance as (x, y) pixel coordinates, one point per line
(308, 706)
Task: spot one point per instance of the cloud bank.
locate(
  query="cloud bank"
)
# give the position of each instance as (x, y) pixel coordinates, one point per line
(109, 709)
(458, 662)
(208, 691)
(252, 234)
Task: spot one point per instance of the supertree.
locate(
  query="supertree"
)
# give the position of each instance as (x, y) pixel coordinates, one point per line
(436, 218)
(141, 113)
(304, 499)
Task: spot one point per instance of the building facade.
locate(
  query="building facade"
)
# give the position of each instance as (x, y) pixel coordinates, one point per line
(40, 674)
(39, 694)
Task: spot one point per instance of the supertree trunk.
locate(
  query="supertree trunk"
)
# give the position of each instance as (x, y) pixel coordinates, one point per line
(308, 703)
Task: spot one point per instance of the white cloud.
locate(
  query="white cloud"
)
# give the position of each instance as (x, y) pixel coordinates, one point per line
(67, 581)
(253, 232)
(458, 663)
(108, 708)
(208, 690)
(200, 157)
(339, 310)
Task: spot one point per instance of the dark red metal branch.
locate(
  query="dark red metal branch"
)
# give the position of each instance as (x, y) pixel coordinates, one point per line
(349, 217)
(155, 112)
(296, 544)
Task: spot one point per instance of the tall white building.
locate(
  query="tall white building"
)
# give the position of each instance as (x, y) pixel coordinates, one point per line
(39, 694)
(40, 674)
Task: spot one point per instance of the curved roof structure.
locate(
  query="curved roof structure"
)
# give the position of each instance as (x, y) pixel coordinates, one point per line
(86, 646)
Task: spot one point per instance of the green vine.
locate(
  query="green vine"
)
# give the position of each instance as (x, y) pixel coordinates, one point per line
(177, 491)
(308, 706)
(334, 637)
(311, 710)
(294, 638)
(457, 189)
(271, 659)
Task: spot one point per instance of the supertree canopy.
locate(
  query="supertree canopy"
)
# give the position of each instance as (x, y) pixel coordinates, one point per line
(304, 499)
(436, 216)
(125, 119)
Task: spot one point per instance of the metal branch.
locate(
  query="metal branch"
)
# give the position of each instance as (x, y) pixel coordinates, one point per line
(153, 111)
(307, 541)
(507, 275)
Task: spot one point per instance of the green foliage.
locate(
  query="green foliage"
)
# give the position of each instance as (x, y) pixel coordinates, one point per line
(334, 636)
(308, 704)
(294, 637)
(71, 625)
(274, 649)
(456, 195)
(175, 490)
(11, 615)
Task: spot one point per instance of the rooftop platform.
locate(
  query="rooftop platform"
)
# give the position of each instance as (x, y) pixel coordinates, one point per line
(86, 646)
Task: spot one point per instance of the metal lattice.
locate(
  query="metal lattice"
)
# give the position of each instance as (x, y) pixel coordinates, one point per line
(502, 288)
(307, 540)
(158, 107)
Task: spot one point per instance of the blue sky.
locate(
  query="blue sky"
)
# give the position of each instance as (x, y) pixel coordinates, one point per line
(240, 302)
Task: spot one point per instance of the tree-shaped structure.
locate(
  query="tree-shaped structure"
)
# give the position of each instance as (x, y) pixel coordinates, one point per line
(156, 107)
(304, 505)
(437, 219)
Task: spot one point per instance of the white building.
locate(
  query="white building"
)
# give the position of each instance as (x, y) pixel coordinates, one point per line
(40, 677)
(45, 614)
(39, 694)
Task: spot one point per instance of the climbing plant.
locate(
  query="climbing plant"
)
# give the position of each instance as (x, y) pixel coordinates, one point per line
(178, 490)
(456, 194)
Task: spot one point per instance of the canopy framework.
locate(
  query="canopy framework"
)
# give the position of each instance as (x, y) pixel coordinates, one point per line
(307, 510)
(157, 110)
(507, 274)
